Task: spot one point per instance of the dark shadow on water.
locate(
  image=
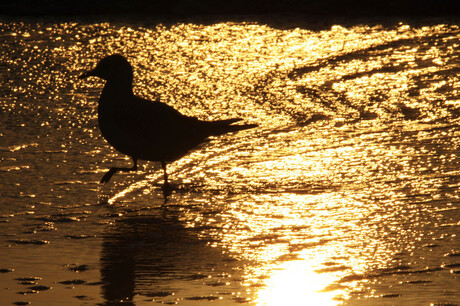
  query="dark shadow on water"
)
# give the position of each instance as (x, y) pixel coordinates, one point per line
(185, 8)
(146, 256)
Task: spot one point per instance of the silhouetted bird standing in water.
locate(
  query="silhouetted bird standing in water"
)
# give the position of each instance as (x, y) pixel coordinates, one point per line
(143, 129)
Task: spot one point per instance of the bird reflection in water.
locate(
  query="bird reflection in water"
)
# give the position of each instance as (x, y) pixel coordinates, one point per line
(149, 257)
(143, 129)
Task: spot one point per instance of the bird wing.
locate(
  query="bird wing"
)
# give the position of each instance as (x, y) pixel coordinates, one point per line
(159, 132)
(155, 131)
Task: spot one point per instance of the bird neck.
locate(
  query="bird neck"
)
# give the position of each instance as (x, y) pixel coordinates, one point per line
(119, 87)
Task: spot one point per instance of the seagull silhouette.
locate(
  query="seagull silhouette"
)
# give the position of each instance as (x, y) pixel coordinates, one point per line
(143, 129)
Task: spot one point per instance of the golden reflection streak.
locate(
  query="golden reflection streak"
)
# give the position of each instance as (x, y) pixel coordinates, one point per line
(296, 282)
(138, 185)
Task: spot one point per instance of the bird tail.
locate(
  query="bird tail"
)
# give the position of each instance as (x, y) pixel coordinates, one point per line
(225, 126)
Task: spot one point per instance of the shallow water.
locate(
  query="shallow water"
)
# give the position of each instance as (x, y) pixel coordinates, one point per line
(346, 193)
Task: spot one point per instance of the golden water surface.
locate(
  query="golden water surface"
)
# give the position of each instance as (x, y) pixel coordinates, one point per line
(345, 194)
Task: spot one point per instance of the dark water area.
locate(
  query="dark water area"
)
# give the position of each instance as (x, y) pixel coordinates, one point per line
(184, 8)
(347, 192)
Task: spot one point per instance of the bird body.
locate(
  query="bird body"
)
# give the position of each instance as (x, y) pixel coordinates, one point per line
(143, 129)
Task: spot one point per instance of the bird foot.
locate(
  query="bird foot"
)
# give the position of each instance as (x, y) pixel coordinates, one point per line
(106, 178)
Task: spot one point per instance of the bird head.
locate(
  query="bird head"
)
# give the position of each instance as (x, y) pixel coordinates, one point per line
(111, 68)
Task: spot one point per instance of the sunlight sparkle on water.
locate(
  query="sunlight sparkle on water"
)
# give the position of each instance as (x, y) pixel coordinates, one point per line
(295, 281)
(347, 190)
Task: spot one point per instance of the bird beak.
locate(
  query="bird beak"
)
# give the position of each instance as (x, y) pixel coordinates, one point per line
(87, 74)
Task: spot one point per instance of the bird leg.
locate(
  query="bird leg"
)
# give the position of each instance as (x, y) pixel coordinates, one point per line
(106, 178)
(166, 187)
(163, 165)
